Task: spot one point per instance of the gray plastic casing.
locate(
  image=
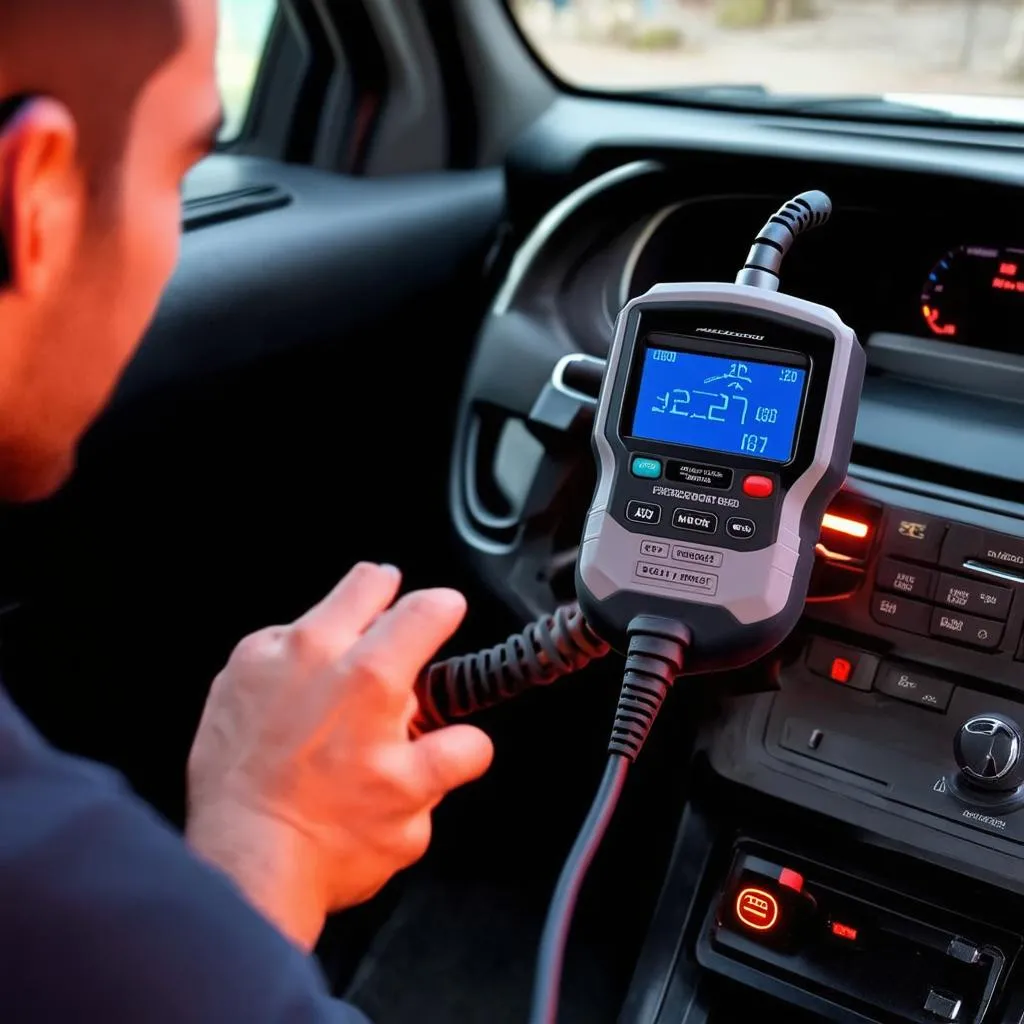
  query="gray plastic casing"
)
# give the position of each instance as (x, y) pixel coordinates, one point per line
(759, 595)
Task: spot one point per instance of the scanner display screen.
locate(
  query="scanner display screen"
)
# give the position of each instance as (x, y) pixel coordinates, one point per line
(722, 404)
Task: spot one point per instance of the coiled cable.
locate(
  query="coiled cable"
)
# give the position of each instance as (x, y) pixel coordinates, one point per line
(549, 649)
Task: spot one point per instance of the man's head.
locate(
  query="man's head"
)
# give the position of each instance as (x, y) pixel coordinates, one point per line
(113, 101)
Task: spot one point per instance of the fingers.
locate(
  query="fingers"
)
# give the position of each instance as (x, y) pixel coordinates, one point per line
(400, 642)
(449, 758)
(349, 609)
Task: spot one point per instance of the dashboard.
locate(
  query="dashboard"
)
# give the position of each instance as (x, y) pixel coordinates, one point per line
(914, 630)
(909, 274)
(939, 314)
(904, 272)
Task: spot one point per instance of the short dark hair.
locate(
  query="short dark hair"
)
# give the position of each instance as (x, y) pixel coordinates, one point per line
(94, 56)
(115, 48)
(8, 108)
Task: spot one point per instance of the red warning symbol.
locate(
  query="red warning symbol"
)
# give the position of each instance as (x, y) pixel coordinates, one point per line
(757, 909)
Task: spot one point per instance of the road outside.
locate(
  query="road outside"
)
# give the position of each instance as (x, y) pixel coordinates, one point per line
(843, 46)
(244, 25)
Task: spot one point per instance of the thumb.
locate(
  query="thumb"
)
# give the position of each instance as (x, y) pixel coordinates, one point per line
(450, 758)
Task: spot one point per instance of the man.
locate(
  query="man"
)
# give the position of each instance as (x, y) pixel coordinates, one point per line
(306, 793)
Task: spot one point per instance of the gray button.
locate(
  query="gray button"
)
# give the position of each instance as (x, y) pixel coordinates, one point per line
(684, 579)
(654, 548)
(905, 683)
(696, 556)
(942, 1006)
(964, 951)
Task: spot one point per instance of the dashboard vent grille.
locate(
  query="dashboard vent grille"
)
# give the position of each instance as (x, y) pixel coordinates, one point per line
(244, 202)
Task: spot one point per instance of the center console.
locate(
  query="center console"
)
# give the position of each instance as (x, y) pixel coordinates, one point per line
(854, 846)
(899, 702)
(879, 756)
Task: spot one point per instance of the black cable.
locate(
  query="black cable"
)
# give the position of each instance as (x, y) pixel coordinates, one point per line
(764, 261)
(563, 903)
(653, 662)
(547, 650)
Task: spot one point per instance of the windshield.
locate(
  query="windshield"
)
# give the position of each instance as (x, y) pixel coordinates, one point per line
(957, 58)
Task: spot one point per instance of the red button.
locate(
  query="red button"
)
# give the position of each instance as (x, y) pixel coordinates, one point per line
(758, 487)
(790, 879)
(841, 670)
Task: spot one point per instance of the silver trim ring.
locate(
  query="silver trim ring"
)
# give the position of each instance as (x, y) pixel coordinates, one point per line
(986, 725)
(558, 376)
(639, 245)
(989, 570)
(555, 218)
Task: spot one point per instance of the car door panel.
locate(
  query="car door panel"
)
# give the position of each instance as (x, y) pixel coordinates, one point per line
(289, 413)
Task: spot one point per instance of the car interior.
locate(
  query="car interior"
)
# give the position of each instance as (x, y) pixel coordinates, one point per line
(398, 290)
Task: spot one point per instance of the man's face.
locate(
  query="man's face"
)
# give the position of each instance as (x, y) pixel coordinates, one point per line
(87, 325)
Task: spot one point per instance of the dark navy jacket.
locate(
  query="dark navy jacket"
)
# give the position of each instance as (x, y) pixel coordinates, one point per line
(105, 915)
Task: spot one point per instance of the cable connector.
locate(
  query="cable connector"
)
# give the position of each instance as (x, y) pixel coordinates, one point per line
(654, 660)
(764, 261)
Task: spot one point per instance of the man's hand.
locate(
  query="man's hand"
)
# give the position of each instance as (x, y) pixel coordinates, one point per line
(304, 785)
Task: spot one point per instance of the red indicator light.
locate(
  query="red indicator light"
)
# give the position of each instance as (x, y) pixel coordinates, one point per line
(841, 670)
(845, 525)
(1005, 284)
(757, 909)
(1008, 269)
(932, 316)
(758, 487)
(844, 931)
(790, 879)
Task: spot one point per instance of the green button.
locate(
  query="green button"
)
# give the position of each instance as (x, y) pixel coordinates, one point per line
(650, 468)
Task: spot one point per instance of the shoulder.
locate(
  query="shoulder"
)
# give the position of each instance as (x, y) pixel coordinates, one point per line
(92, 879)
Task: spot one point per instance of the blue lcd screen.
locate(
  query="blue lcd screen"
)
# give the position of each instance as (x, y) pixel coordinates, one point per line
(719, 403)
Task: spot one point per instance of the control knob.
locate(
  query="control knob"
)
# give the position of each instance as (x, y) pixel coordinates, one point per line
(989, 751)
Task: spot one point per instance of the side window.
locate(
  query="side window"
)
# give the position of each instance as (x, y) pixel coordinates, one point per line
(244, 30)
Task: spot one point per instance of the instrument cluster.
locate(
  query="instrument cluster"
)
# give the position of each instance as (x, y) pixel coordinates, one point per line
(915, 275)
(975, 294)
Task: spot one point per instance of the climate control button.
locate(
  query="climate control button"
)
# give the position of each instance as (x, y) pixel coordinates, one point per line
(975, 596)
(901, 613)
(966, 629)
(904, 578)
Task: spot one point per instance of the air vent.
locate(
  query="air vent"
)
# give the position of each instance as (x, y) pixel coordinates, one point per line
(244, 202)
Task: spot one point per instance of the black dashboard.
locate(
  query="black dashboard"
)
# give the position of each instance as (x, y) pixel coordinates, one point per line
(913, 632)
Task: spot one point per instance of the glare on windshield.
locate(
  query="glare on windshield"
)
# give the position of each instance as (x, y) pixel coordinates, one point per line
(948, 49)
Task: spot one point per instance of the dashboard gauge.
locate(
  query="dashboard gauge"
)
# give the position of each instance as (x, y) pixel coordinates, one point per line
(975, 294)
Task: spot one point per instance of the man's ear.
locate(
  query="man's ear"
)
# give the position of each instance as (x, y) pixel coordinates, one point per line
(42, 195)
